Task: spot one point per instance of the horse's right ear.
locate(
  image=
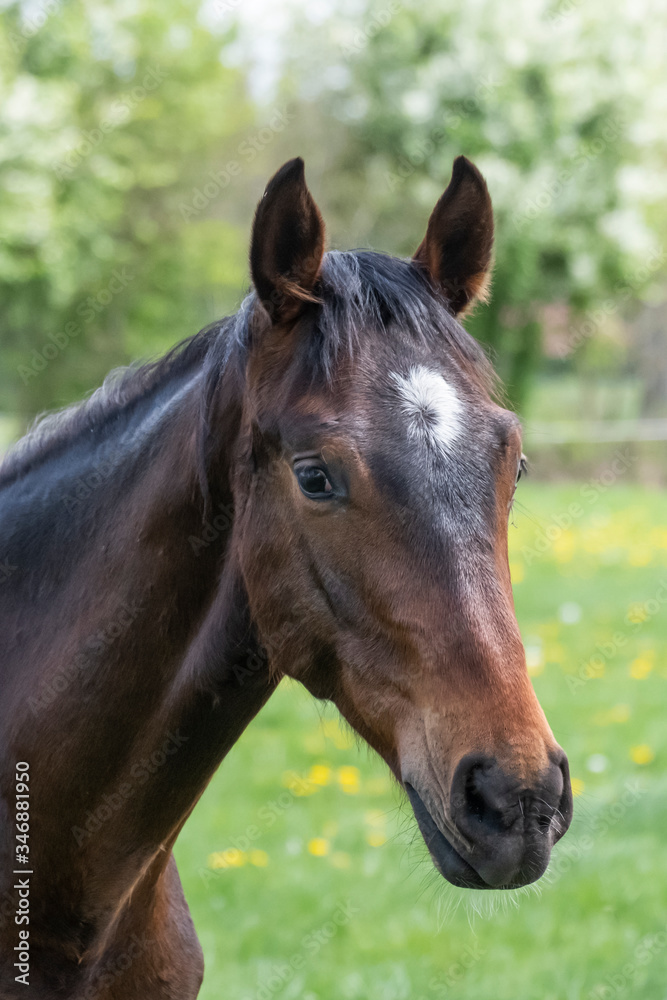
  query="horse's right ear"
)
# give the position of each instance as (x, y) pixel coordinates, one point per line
(287, 244)
(458, 245)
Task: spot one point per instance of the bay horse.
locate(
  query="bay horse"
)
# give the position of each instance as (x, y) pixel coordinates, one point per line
(329, 464)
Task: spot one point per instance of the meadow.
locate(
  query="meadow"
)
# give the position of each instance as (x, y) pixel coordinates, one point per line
(302, 865)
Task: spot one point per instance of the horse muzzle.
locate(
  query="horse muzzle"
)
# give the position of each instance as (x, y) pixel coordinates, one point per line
(496, 833)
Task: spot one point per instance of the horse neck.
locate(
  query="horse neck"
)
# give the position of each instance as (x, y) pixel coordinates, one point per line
(133, 681)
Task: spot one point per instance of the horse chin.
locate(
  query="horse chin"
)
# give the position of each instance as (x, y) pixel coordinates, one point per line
(446, 858)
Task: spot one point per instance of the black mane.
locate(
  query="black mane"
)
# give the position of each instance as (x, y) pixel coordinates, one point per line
(358, 290)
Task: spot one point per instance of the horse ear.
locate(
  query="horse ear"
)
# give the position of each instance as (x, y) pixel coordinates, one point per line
(458, 244)
(287, 244)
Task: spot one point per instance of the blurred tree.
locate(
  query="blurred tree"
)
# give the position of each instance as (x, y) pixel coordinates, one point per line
(113, 114)
(558, 104)
(131, 156)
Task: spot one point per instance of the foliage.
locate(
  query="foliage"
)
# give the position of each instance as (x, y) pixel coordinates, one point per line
(135, 140)
(112, 114)
(558, 104)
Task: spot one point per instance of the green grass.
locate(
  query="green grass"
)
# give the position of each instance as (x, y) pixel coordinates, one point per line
(595, 927)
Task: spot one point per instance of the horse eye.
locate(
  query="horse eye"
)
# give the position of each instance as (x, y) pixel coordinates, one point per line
(314, 482)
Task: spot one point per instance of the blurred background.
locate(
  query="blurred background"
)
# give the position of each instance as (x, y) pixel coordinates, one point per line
(135, 141)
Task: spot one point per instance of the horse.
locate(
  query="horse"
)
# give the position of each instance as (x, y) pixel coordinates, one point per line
(330, 465)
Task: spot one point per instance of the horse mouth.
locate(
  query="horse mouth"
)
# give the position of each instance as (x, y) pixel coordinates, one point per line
(446, 858)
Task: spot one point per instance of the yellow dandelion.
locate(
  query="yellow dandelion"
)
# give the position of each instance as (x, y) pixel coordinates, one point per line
(636, 613)
(376, 838)
(235, 858)
(318, 847)
(592, 668)
(229, 858)
(641, 667)
(577, 786)
(320, 774)
(297, 785)
(641, 754)
(259, 859)
(349, 779)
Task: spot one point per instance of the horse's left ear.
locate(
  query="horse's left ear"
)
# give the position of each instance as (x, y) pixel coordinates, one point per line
(287, 244)
(458, 245)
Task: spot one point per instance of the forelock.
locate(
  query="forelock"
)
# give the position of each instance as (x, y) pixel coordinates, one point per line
(364, 293)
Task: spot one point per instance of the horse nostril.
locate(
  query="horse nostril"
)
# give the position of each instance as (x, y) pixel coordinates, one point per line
(478, 797)
(510, 824)
(487, 801)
